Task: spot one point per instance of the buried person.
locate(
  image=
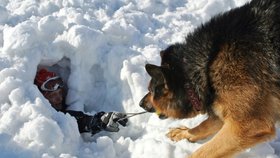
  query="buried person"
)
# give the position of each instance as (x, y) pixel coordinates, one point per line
(53, 89)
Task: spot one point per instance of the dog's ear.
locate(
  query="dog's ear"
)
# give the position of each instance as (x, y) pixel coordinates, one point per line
(154, 71)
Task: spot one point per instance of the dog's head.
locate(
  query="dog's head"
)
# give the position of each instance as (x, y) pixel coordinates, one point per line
(167, 95)
(170, 93)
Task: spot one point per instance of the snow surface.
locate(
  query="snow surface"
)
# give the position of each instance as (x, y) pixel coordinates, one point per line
(100, 48)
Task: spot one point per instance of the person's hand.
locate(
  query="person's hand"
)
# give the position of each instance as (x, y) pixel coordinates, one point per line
(107, 121)
(111, 120)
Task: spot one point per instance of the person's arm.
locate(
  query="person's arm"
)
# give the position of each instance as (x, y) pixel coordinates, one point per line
(87, 123)
(98, 122)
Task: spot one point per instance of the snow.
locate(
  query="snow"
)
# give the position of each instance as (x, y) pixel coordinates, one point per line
(100, 49)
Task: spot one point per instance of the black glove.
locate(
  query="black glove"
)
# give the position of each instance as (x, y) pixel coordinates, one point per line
(111, 121)
(100, 121)
(106, 121)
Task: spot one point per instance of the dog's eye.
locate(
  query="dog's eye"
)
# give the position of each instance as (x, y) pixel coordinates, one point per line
(158, 91)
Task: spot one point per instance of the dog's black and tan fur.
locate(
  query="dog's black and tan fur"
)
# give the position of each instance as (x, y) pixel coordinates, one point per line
(228, 68)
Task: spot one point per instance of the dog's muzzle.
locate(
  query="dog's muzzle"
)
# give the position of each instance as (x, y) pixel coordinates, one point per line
(162, 117)
(146, 105)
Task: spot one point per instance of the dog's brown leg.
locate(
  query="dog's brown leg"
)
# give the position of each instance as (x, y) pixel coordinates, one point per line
(202, 131)
(230, 140)
(248, 120)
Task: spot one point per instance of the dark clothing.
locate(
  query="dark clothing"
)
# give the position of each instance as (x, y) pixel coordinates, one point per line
(108, 121)
(87, 123)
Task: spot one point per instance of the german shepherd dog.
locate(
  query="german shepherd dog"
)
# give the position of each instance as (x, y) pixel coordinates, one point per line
(228, 68)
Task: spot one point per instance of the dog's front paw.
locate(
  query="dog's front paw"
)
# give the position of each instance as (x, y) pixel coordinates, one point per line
(177, 134)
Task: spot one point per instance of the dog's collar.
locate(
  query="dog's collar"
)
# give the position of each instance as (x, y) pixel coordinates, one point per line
(193, 98)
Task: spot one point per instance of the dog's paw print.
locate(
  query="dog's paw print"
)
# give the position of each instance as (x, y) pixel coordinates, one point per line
(179, 133)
